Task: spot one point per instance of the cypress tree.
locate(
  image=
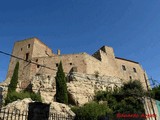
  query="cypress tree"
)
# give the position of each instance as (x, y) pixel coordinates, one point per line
(12, 86)
(12, 95)
(14, 80)
(61, 86)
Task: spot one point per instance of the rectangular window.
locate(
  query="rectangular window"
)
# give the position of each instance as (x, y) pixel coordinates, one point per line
(36, 60)
(56, 64)
(38, 66)
(29, 45)
(124, 67)
(130, 77)
(134, 69)
(27, 56)
(48, 77)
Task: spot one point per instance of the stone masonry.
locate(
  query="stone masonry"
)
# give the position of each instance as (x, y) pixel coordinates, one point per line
(103, 63)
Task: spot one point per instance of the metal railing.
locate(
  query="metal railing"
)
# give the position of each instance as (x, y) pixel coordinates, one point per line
(9, 114)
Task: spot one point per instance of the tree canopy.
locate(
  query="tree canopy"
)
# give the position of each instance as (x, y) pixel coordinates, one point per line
(127, 99)
(156, 92)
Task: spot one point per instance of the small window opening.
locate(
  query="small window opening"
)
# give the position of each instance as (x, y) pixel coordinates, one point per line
(38, 66)
(124, 67)
(29, 45)
(134, 69)
(36, 60)
(56, 64)
(130, 77)
(21, 49)
(70, 63)
(27, 56)
(48, 77)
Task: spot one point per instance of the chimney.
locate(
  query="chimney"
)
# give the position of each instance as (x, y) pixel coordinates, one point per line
(58, 52)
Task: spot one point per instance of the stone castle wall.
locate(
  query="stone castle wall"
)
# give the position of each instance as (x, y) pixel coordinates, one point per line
(20, 50)
(103, 61)
(27, 50)
(69, 62)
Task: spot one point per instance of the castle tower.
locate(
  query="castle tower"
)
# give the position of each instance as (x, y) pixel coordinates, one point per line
(26, 50)
(106, 55)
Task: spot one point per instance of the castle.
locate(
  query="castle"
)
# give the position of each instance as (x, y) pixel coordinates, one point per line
(37, 60)
(102, 62)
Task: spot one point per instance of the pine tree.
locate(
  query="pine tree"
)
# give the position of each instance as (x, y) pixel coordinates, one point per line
(14, 80)
(61, 87)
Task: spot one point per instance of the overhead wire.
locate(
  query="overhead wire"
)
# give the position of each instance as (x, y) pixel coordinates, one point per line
(32, 62)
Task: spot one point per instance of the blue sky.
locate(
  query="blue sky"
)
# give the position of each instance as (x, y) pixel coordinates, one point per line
(131, 27)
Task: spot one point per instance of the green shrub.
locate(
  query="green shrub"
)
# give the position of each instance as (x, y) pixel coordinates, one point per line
(155, 92)
(13, 96)
(127, 99)
(91, 111)
(36, 97)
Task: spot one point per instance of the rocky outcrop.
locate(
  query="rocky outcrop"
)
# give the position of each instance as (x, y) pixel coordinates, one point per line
(55, 107)
(60, 108)
(81, 87)
(80, 92)
(46, 86)
(19, 105)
